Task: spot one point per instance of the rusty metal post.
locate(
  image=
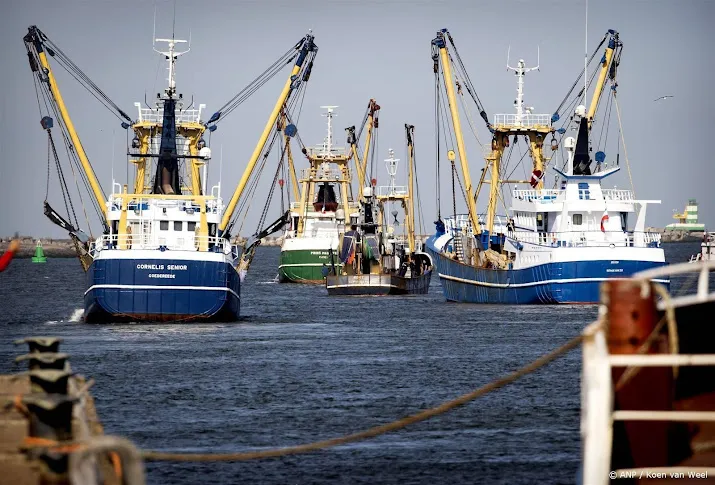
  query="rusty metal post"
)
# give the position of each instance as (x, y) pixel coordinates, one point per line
(632, 316)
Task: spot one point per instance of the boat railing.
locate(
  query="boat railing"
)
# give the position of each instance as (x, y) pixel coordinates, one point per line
(527, 121)
(157, 115)
(637, 239)
(543, 195)
(321, 151)
(618, 194)
(597, 386)
(461, 224)
(329, 174)
(558, 195)
(386, 190)
(139, 204)
(190, 242)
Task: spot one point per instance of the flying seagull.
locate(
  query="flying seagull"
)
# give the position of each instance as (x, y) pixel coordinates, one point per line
(663, 97)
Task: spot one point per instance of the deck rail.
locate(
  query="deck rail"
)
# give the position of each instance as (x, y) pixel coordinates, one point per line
(150, 240)
(527, 121)
(386, 190)
(543, 195)
(156, 115)
(327, 174)
(638, 239)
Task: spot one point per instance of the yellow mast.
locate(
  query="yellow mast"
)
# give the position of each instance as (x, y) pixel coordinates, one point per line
(449, 83)
(356, 157)
(494, 164)
(289, 154)
(605, 65)
(143, 135)
(291, 83)
(291, 168)
(410, 130)
(361, 164)
(371, 123)
(86, 166)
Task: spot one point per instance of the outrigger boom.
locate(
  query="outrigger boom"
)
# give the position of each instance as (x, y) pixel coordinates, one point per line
(37, 39)
(307, 47)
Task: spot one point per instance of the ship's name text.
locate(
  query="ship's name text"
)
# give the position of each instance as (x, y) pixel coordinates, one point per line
(170, 267)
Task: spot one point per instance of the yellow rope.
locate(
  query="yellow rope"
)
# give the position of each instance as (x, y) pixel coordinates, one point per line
(625, 150)
(375, 431)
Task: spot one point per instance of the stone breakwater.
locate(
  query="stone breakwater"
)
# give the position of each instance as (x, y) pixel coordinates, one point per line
(678, 236)
(53, 248)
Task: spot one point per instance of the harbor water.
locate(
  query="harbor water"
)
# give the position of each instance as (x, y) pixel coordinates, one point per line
(301, 366)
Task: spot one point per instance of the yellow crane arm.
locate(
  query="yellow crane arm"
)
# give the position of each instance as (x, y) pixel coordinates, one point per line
(361, 163)
(372, 123)
(34, 37)
(410, 131)
(605, 66)
(308, 46)
(440, 44)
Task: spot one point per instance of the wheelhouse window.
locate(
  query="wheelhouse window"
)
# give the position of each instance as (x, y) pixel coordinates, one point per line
(164, 225)
(577, 219)
(178, 225)
(190, 226)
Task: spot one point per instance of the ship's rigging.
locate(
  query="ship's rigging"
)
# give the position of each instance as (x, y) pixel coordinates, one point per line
(451, 80)
(167, 179)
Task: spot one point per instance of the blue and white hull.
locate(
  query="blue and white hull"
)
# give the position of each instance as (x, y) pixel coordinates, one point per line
(155, 285)
(566, 280)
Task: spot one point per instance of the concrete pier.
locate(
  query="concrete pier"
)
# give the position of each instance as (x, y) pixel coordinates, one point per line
(44, 407)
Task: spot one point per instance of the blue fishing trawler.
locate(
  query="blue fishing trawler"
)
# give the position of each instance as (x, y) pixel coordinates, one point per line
(165, 252)
(555, 245)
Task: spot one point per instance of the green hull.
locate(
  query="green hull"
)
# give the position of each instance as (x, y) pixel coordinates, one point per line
(304, 265)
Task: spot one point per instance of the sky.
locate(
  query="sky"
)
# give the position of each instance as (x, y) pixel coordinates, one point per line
(367, 49)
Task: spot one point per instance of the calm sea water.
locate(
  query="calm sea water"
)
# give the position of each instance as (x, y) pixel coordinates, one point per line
(301, 366)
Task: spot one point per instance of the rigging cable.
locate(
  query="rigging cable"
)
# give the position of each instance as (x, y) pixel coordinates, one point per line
(417, 187)
(288, 57)
(71, 155)
(581, 74)
(437, 143)
(469, 116)
(63, 60)
(625, 151)
(468, 82)
(454, 168)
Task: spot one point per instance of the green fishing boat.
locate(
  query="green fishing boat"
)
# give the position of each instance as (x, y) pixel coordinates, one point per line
(326, 206)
